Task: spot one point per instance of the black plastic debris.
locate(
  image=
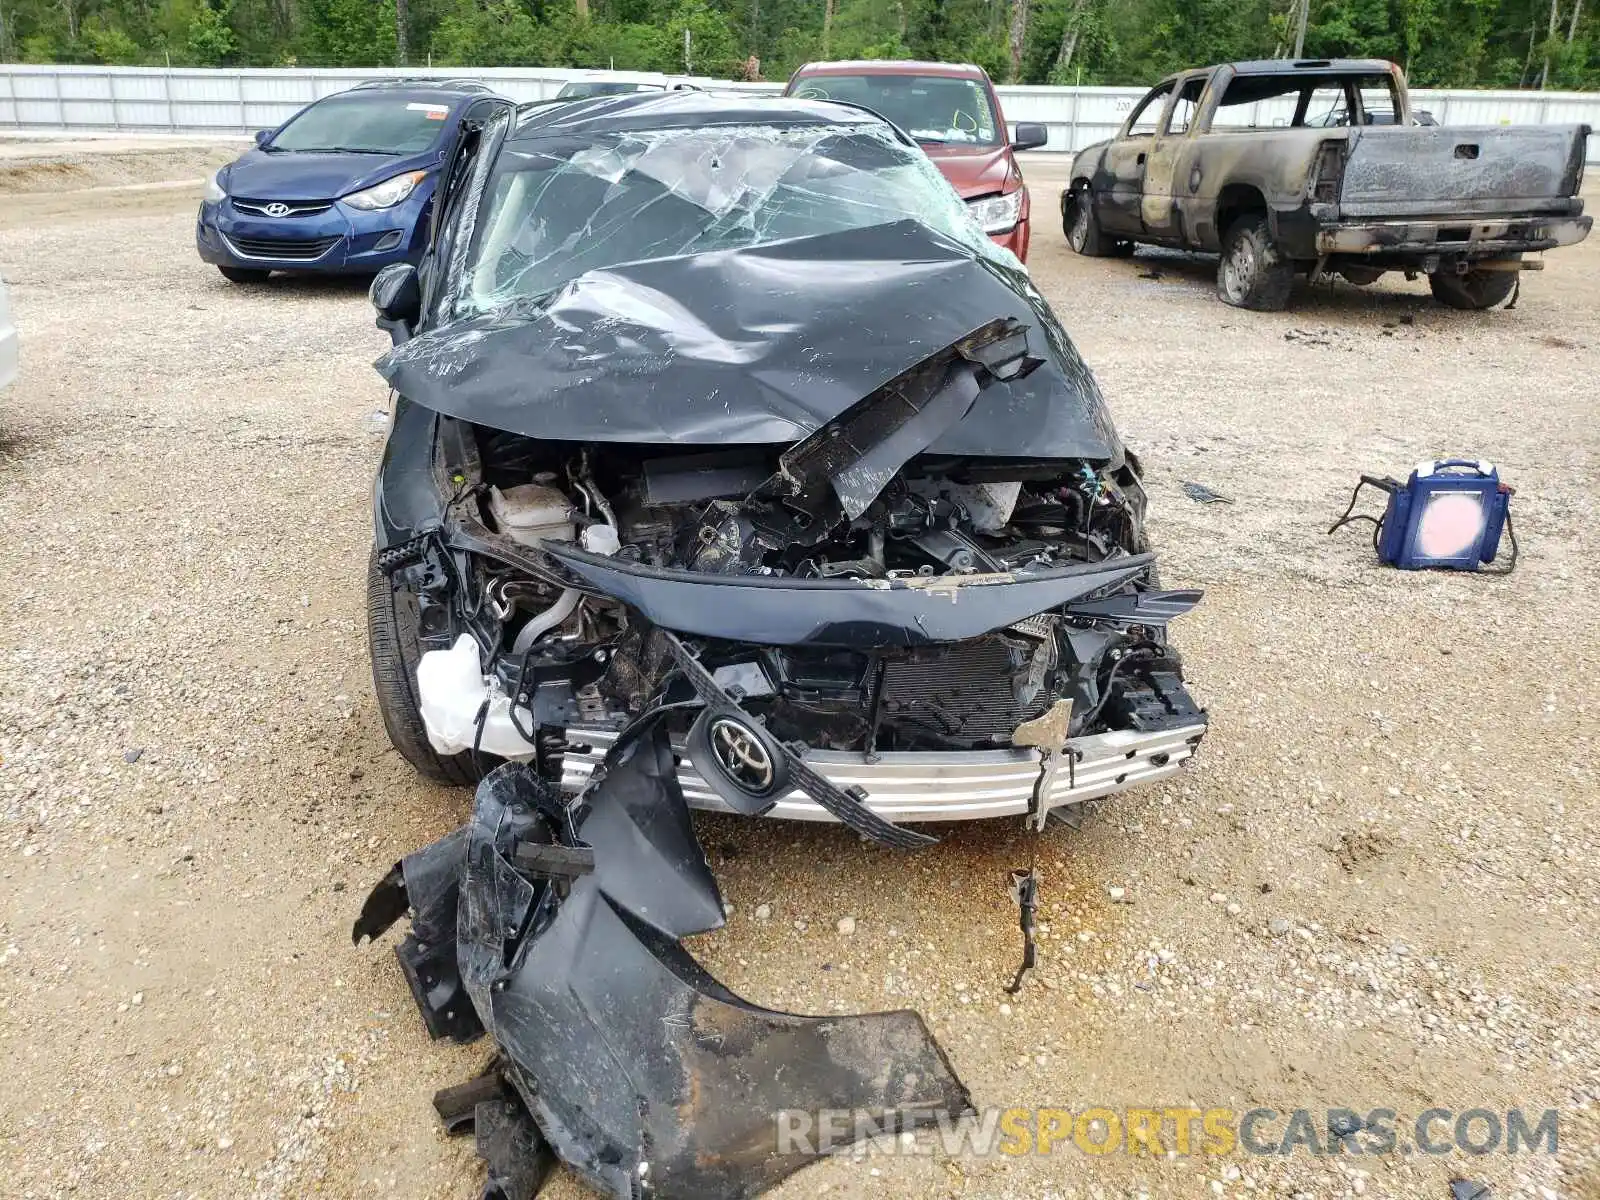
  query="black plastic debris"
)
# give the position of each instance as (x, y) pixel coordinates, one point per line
(616, 1051)
(1470, 1189)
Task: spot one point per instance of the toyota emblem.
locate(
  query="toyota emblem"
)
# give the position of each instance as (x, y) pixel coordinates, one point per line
(741, 756)
(276, 209)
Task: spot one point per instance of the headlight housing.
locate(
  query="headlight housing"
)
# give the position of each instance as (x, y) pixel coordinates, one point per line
(386, 194)
(214, 191)
(997, 214)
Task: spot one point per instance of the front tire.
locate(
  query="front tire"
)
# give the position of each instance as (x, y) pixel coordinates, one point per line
(1082, 227)
(243, 274)
(1474, 290)
(1253, 273)
(392, 640)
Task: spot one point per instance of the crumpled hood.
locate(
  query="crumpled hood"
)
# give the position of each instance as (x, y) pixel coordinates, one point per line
(980, 172)
(763, 344)
(260, 175)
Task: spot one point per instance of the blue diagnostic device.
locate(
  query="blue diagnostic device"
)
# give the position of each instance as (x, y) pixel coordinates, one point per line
(1448, 514)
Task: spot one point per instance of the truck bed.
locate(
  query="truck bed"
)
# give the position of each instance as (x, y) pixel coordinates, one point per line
(1405, 171)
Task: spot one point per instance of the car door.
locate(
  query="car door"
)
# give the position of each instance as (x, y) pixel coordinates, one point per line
(1167, 163)
(458, 162)
(1122, 184)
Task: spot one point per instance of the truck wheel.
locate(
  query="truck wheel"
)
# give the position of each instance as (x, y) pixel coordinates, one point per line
(1082, 227)
(243, 274)
(392, 640)
(1475, 289)
(1253, 273)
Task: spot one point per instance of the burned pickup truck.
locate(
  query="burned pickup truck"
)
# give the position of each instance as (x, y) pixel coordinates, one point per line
(731, 465)
(1292, 168)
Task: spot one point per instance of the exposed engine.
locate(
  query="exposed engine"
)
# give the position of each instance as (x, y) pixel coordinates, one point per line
(941, 520)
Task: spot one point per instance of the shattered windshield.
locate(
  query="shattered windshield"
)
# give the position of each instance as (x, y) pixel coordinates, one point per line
(931, 108)
(556, 208)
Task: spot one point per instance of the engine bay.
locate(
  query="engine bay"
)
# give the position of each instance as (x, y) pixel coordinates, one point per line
(580, 660)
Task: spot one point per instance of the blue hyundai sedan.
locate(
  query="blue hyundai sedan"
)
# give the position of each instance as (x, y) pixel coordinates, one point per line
(343, 187)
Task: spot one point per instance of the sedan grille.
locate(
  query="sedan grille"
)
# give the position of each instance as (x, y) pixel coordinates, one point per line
(285, 249)
(282, 208)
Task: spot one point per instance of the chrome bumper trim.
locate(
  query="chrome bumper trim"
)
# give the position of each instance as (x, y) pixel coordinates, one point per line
(959, 785)
(1472, 235)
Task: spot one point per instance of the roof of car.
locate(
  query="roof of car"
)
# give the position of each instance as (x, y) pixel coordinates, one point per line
(637, 111)
(893, 66)
(1310, 66)
(424, 83)
(618, 77)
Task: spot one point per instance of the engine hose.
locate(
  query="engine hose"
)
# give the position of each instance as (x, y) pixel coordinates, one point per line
(544, 622)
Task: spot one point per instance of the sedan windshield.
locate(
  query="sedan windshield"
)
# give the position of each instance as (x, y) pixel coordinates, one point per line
(555, 209)
(373, 123)
(931, 108)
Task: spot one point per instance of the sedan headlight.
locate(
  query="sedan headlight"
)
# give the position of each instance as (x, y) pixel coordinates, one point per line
(388, 193)
(214, 191)
(997, 214)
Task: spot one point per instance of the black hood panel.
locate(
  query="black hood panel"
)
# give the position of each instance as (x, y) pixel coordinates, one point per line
(758, 345)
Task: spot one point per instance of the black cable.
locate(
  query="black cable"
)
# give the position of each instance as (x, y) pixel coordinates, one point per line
(1511, 563)
(1105, 692)
(481, 719)
(519, 696)
(1384, 485)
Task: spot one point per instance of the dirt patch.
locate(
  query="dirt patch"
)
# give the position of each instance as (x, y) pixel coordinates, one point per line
(1353, 851)
(55, 170)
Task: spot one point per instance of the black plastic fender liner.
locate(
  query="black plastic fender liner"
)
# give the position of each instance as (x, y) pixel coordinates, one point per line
(639, 1069)
(428, 882)
(634, 1061)
(638, 1065)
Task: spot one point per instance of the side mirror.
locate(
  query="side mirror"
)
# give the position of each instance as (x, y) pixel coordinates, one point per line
(1030, 136)
(262, 135)
(396, 294)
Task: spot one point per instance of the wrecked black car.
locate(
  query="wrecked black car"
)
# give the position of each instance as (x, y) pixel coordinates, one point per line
(732, 466)
(727, 406)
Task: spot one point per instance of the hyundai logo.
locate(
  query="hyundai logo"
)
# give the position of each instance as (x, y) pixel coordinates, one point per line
(277, 209)
(742, 757)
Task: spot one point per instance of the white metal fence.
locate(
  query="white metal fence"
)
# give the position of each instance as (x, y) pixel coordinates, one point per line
(194, 100)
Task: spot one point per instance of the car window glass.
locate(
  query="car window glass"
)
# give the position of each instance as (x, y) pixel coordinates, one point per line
(375, 122)
(931, 108)
(1148, 113)
(555, 210)
(1185, 106)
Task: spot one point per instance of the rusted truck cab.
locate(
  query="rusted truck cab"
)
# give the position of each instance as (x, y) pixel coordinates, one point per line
(1310, 166)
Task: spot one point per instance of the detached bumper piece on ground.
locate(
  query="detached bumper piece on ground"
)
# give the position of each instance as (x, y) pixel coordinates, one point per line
(553, 924)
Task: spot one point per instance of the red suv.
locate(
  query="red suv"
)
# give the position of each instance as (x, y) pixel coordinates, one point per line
(951, 110)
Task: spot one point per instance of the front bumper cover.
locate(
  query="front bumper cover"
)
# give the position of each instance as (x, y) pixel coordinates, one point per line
(559, 921)
(358, 241)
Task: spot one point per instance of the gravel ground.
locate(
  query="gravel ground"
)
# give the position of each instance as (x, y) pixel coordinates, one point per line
(1376, 888)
